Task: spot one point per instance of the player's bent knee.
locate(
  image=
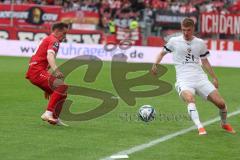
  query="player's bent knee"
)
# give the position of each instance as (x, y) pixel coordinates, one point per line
(221, 104)
(62, 89)
(189, 98)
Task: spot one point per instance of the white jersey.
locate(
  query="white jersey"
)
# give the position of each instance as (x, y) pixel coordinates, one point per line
(186, 57)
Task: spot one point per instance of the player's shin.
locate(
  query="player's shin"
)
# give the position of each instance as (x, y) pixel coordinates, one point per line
(192, 111)
(58, 107)
(223, 115)
(57, 99)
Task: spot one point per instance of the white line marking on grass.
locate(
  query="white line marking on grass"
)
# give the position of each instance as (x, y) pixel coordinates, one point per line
(165, 138)
(119, 156)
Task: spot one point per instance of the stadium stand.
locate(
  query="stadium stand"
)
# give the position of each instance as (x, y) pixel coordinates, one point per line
(152, 17)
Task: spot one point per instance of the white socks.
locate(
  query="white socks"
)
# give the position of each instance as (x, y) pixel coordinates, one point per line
(192, 111)
(49, 113)
(223, 115)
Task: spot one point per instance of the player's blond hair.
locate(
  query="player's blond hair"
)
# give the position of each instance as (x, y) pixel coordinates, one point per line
(188, 22)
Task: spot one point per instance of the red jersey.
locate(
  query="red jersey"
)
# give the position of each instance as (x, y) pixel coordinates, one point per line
(38, 61)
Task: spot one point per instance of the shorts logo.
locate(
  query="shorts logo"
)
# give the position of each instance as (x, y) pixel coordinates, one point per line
(179, 89)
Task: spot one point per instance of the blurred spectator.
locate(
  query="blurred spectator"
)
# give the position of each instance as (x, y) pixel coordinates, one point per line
(133, 24)
(174, 8)
(112, 26)
(158, 4)
(129, 13)
(147, 21)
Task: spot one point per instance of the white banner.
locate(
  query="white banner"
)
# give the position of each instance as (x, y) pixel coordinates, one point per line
(134, 54)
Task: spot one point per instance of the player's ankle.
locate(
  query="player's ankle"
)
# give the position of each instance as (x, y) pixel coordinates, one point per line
(224, 122)
(200, 126)
(49, 113)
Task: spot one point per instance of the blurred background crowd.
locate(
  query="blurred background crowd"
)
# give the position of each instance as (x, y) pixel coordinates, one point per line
(149, 16)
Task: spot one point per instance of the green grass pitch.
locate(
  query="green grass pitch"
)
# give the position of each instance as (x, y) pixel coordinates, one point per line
(24, 136)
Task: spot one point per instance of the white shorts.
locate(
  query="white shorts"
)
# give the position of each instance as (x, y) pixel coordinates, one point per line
(202, 88)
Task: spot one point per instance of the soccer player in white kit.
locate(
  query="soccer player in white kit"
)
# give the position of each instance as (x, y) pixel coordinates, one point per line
(189, 52)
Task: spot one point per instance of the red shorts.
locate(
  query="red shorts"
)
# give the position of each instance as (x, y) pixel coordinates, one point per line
(43, 79)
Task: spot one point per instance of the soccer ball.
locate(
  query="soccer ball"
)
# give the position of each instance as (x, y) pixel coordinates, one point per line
(146, 113)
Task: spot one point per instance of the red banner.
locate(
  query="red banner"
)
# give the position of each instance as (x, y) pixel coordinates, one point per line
(30, 34)
(223, 45)
(28, 15)
(212, 23)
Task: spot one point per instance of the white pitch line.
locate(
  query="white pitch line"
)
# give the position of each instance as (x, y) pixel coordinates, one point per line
(164, 138)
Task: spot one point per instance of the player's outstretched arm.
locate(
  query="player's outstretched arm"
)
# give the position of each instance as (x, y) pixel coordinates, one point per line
(207, 66)
(158, 60)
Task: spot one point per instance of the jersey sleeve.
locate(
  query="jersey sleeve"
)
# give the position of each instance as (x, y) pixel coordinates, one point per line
(169, 46)
(204, 51)
(53, 46)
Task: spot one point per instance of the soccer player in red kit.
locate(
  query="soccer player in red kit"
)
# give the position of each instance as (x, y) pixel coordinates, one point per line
(52, 84)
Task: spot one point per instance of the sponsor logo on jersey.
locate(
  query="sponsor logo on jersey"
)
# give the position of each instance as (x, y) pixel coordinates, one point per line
(56, 45)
